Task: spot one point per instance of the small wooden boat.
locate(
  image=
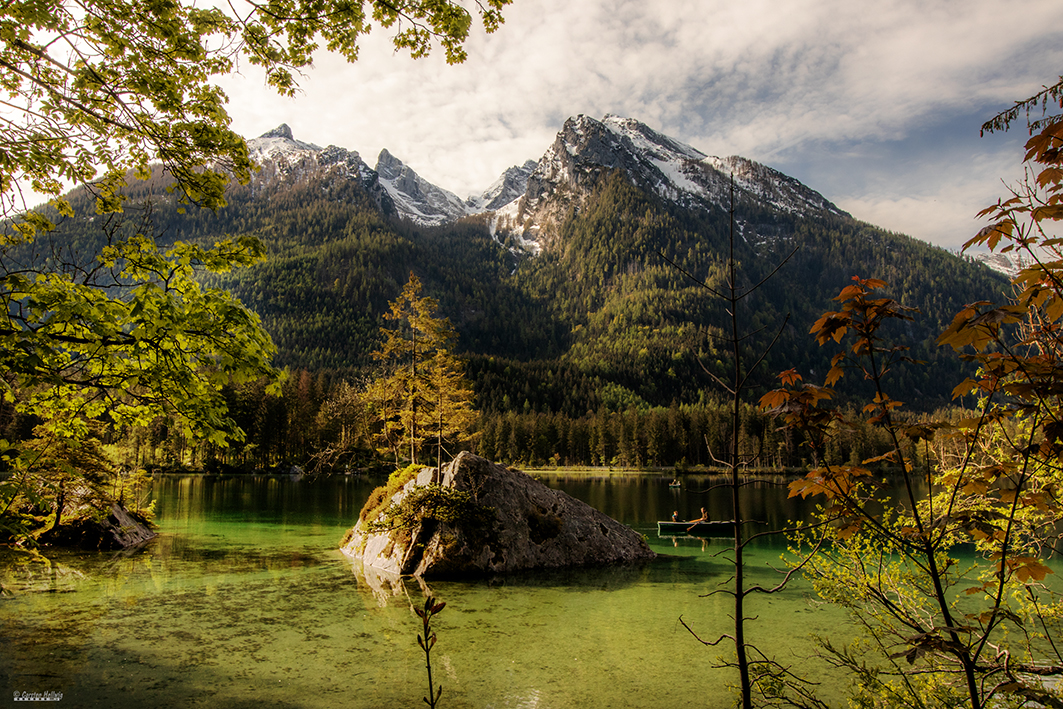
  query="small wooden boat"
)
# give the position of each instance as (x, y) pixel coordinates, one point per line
(696, 529)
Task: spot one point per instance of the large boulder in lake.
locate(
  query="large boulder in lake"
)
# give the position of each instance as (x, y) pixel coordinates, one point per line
(476, 517)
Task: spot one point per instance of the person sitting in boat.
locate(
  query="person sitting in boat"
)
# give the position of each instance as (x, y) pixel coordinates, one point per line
(703, 518)
(675, 516)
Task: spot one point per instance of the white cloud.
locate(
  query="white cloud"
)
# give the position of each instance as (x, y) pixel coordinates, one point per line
(937, 202)
(945, 218)
(776, 82)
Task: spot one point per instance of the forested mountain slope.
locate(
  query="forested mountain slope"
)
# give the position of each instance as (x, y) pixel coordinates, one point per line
(638, 326)
(594, 315)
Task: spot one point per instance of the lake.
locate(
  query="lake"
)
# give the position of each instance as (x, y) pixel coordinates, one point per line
(245, 601)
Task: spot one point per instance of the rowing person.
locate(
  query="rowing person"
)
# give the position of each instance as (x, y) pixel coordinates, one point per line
(703, 518)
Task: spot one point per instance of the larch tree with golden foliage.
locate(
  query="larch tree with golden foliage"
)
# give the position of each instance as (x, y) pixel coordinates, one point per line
(422, 394)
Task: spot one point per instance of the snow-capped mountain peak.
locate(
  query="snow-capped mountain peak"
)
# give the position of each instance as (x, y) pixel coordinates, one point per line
(279, 144)
(508, 187)
(282, 157)
(672, 169)
(415, 198)
(585, 147)
(1008, 264)
(528, 200)
(282, 131)
(650, 141)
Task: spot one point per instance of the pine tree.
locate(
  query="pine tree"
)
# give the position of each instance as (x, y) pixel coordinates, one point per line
(423, 388)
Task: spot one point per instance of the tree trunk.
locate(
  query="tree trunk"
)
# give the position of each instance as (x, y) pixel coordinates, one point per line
(60, 502)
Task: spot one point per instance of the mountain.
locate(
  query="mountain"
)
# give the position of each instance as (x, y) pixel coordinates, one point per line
(526, 195)
(283, 159)
(677, 173)
(279, 145)
(1007, 264)
(576, 281)
(506, 189)
(527, 199)
(412, 197)
(417, 199)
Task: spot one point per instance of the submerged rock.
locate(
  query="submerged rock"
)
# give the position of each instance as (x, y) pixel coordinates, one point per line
(476, 517)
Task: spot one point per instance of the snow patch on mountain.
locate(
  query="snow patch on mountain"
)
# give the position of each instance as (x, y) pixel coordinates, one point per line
(507, 228)
(772, 187)
(416, 198)
(278, 144)
(508, 188)
(1008, 264)
(658, 146)
(683, 169)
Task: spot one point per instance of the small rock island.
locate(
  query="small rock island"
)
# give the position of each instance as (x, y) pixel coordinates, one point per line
(475, 517)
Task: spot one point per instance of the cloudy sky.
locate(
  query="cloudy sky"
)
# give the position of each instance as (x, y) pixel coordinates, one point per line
(875, 105)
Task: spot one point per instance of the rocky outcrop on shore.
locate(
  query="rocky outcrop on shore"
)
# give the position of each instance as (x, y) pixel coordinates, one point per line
(120, 529)
(476, 517)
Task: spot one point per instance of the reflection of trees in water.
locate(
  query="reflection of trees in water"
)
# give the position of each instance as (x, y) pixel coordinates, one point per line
(265, 497)
(234, 559)
(644, 499)
(31, 572)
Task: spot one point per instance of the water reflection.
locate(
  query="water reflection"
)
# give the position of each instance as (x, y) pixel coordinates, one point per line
(639, 500)
(384, 585)
(30, 572)
(245, 600)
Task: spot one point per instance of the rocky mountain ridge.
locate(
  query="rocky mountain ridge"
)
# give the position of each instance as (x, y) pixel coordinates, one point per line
(528, 200)
(1008, 264)
(282, 157)
(608, 317)
(416, 198)
(527, 203)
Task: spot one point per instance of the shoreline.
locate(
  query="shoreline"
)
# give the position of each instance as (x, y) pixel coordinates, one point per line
(578, 470)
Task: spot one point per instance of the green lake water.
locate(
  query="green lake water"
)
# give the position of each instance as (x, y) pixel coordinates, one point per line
(245, 601)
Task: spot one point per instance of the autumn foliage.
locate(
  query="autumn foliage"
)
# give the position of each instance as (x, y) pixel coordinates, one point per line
(938, 547)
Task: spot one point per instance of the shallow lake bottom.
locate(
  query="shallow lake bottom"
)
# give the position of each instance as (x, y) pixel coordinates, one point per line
(245, 601)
